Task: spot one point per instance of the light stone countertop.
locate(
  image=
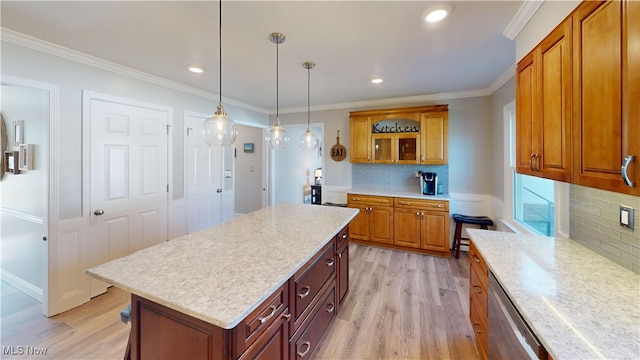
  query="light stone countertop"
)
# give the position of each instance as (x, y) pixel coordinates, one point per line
(578, 303)
(222, 273)
(394, 191)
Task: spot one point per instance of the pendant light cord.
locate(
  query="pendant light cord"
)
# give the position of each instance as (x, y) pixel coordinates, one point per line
(308, 97)
(220, 46)
(277, 77)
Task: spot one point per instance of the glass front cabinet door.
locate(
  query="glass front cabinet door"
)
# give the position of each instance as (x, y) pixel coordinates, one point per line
(396, 141)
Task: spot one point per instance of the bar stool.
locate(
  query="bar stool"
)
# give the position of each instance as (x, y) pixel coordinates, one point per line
(483, 221)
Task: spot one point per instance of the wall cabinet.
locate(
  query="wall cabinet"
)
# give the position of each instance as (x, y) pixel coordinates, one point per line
(606, 106)
(401, 223)
(578, 102)
(415, 135)
(543, 96)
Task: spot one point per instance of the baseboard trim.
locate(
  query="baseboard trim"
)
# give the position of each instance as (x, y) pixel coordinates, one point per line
(22, 285)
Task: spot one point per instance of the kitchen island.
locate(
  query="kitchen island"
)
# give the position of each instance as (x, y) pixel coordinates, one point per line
(261, 283)
(579, 304)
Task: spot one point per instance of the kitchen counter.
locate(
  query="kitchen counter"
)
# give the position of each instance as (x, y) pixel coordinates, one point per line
(391, 191)
(578, 303)
(222, 273)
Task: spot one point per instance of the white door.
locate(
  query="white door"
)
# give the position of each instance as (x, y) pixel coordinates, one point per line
(208, 171)
(129, 180)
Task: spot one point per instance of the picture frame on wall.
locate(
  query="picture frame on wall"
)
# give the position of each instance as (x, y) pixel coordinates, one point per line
(11, 162)
(248, 147)
(25, 157)
(18, 132)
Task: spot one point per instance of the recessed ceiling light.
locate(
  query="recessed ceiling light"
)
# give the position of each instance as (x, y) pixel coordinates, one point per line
(198, 69)
(436, 13)
(377, 80)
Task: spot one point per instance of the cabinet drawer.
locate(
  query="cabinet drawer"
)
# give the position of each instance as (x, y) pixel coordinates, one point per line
(479, 325)
(369, 200)
(476, 260)
(306, 340)
(478, 289)
(308, 284)
(261, 318)
(431, 205)
(342, 237)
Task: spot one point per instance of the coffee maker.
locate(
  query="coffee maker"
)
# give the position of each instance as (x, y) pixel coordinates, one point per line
(429, 183)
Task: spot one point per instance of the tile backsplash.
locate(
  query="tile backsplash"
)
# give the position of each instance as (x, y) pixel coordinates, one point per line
(396, 175)
(594, 223)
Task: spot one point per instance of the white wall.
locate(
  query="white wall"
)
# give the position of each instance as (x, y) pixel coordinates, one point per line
(249, 170)
(73, 78)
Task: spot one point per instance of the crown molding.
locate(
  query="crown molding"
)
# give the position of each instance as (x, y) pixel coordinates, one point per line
(39, 45)
(522, 17)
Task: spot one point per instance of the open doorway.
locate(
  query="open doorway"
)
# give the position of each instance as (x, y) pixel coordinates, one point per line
(251, 185)
(27, 112)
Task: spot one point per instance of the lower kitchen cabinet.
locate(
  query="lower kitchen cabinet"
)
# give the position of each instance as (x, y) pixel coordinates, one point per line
(419, 225)
(478, 298)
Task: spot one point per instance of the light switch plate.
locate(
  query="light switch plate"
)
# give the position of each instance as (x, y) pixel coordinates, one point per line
(626, 217)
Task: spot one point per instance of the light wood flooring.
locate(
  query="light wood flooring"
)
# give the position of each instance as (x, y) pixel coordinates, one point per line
(400, 306)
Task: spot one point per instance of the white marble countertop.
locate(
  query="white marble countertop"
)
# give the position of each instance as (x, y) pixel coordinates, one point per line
(578, 303)
(222, 273)
(393, 191)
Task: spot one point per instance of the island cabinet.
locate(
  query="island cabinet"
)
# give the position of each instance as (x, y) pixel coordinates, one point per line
(289, 324)
(416, 135)
(422, 224)
(374, 222)
(478, 298)
(418, 225)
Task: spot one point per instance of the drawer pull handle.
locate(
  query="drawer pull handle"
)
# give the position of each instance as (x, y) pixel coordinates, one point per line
(344, 236)
(475, 327)
(439, 206)
(287, 316)
(340, 255)
(623, 170)
(355, 199)
(476, 259)
(330, 308)
(266, 318)
(306, 350)
(330, 262)
(404, 203)
(305, 292)
(477, 289)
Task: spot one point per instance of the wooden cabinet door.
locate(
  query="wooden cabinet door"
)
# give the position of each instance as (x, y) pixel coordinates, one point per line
(382, 148)
(553, 123)
(407, 148)
(434, 137)
(381, 222)
(525, 115)
(342, 277)
(359, 226)
(631, 93)
(406, 227)
(598, 122)
(435, 232)
(360, 140)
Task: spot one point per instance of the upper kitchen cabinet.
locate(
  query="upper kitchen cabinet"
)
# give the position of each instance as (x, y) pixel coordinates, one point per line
(606, 106)
(415, 135)
(543, 96)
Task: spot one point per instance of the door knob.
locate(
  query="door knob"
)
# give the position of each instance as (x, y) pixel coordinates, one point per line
(98, 212)
(219, 191)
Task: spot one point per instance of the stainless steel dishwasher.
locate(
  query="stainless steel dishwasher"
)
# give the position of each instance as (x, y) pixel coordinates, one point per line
(509, 336)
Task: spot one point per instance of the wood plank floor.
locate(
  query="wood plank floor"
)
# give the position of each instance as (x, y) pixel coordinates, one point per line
(400, 306)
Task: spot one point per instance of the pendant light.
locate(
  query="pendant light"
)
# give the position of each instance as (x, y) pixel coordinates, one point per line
(309, 140)
(219, 129)
(277, 137)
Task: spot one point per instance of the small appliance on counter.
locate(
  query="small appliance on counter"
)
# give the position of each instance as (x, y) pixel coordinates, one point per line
(429, 183)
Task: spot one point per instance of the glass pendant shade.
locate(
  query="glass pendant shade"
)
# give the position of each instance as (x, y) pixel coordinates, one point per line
(308, 141)
(219, 129)
(277, 137)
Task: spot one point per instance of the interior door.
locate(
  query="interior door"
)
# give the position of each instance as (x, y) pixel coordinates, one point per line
(129, 180)
(208, 178)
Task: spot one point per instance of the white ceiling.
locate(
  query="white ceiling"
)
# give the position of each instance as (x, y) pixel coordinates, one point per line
(350, 41)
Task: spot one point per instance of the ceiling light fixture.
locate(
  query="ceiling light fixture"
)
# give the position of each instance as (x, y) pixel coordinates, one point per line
(377, 80)
(277, 136)
(198, 69)
(308, 140)
(436, 13)
(219, 129)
